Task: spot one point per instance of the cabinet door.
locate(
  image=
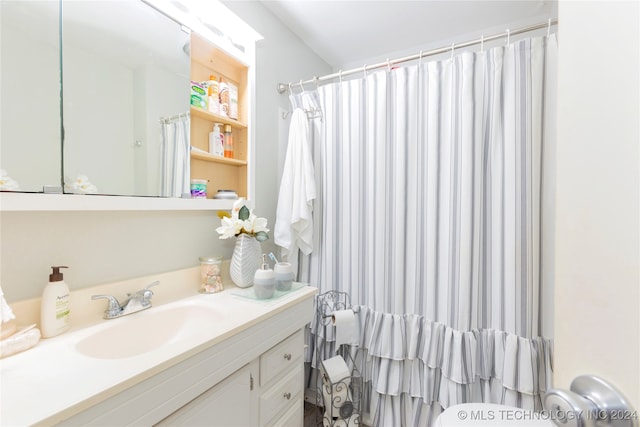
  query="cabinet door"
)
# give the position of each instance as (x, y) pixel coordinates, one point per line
(228, 403)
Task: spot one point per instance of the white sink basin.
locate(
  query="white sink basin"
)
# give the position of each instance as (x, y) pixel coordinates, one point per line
(147, 330)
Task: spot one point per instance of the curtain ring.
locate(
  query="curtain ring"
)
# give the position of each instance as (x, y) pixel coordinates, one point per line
(364, 70)
(301, 86)
(340, 75)
(508, 36)
(317, 81)
(482, 43)
(420, 60)
(388, 65)
(549, 28)
(290, 88)
(453, 46)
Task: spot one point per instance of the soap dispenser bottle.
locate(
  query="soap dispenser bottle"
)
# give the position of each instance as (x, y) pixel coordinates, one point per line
(264, 281)
(215, 141)
(54, 307)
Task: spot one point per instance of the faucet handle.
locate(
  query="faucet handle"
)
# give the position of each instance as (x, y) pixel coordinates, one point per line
(156, 283)
(147, 293)
(113, 309)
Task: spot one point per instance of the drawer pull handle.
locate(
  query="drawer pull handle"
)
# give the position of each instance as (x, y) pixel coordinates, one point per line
(287, 396)
(287, 356)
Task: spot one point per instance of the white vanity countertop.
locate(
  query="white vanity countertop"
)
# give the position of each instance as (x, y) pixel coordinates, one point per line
(53, 379)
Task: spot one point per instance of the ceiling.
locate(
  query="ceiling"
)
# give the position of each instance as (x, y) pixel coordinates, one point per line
(345, 33)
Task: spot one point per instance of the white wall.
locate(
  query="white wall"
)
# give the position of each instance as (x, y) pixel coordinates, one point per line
(545, 10)
(597, 327)
(104, 247)
(281, 59)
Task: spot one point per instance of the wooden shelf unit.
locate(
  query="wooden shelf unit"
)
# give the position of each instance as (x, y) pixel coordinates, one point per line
(216, 118)
(222, 173)
(206, 157)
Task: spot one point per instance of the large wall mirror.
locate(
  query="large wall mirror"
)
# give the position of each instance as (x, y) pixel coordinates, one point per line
(124, 67)
(30, 143)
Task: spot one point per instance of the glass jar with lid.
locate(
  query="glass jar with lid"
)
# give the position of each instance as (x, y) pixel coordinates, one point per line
(210, 274)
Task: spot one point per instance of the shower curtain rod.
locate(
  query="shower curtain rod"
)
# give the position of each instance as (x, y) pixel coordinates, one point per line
(283, 87)
(174, 117)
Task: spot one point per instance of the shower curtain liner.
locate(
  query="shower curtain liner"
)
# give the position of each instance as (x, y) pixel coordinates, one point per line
(175, 164)
(429, 210)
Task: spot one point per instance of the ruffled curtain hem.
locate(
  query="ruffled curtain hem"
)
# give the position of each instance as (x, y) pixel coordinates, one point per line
(407, 357)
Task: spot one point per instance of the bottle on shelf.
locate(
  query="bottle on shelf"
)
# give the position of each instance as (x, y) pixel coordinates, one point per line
(215, 141)
(233, 101)
(228, 142)
(213, 92)
(224, 98)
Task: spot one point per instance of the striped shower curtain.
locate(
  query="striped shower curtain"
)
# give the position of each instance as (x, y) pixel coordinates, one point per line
(175, 160)
(430, 182)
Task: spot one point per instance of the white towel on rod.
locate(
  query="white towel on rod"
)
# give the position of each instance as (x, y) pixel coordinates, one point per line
(294, 214)
(6, 314)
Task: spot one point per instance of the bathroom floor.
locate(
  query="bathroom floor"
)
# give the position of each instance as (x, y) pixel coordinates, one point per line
(310, 412)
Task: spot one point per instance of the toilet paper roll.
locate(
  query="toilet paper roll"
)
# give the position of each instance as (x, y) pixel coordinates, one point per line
(335, 395)
(335, 369)
(336, 378)
(334, 401)
(345, 323)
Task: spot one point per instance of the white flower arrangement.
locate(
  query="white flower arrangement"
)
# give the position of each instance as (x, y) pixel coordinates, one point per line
(242, 221)
(82, 185)
(7, 183)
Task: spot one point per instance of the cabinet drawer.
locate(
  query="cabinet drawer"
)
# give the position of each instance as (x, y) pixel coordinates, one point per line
(281, 358)
(293, 417)
(282, 395)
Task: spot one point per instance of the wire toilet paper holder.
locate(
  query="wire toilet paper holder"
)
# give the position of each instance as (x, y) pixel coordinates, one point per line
(340, 400)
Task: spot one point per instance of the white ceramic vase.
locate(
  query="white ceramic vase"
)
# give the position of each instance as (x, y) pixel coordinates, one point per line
(245, 260)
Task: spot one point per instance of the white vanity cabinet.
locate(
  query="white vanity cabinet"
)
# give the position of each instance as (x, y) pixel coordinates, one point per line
(229, 403)
(232, 402)
(252, 377)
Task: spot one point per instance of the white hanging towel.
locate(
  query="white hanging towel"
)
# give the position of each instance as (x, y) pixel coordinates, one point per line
(294, 215)
(6, 313)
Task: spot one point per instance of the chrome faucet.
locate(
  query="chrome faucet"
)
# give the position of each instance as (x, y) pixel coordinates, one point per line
(138, 301)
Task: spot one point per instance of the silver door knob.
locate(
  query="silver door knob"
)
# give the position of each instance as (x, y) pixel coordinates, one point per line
(591, 402)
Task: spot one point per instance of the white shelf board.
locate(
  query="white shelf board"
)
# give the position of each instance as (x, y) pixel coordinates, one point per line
(75, 202)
